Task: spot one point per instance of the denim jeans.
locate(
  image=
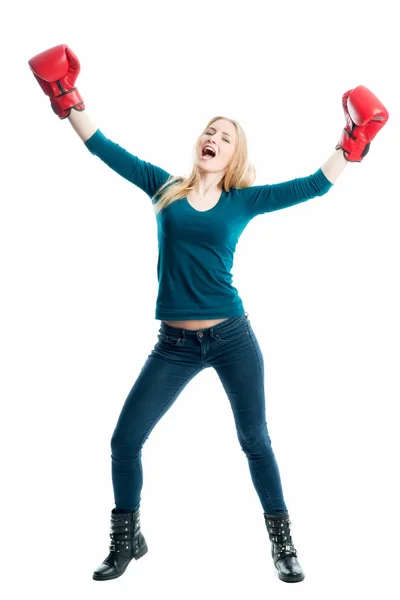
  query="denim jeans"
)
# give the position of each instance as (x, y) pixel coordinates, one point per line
(231, 348)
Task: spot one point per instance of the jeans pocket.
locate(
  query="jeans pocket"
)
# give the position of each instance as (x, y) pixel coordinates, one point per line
(232, 336)
(171, 340)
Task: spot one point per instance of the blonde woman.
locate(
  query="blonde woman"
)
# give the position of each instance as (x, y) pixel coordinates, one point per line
(203, 322)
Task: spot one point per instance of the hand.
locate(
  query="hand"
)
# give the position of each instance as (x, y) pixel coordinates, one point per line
(365, 116)
(56, 71)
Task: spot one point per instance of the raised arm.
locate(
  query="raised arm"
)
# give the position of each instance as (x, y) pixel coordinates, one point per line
(82, 124)
(334, 166)
(56, 71)
(365, 116)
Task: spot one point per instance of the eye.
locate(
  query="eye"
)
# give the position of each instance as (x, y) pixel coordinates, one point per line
(209, 133)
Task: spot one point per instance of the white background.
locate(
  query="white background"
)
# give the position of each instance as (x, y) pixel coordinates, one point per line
(79, 285)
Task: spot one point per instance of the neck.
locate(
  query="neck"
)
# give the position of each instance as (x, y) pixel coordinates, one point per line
(209, 183)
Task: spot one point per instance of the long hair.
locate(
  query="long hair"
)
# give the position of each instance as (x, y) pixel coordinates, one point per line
(240, 174)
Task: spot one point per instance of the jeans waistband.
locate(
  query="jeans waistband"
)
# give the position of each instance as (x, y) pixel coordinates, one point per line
(226, 326)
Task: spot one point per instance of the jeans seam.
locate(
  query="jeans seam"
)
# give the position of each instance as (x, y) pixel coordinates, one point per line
(255, 470)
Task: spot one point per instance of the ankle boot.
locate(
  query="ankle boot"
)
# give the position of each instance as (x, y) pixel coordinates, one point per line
(127, 542)
(283, 552)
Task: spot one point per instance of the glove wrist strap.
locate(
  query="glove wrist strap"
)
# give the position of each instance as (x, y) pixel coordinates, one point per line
(63, 103)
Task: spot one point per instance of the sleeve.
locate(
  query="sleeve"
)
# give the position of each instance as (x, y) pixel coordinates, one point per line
(260, 199)
(143, 174)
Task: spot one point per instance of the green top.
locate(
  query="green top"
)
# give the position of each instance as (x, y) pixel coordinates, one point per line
(196, 248)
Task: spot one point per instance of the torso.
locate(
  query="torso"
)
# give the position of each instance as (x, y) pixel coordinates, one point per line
(193, 325)
(199, 204)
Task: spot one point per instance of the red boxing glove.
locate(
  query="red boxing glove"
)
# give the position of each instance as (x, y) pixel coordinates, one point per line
(365, 116)
(56, 70)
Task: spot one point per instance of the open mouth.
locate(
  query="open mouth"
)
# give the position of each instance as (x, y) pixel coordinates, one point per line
(208, 153)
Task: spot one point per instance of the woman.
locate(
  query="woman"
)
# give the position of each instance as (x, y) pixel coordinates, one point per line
(203, 322)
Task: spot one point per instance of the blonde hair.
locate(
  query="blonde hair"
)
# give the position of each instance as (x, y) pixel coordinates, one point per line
(240, 174)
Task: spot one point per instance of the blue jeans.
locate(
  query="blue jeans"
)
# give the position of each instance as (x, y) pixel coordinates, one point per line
(231, 348)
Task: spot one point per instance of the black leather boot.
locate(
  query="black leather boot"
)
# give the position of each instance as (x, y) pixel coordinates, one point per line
(127, 542)
(283, 552)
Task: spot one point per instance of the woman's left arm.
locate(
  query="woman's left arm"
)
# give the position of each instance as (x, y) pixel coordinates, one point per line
(365, 115)
(334, 166)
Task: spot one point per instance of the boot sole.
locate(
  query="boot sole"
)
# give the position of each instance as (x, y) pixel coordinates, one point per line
(142, 552)
(290, 579)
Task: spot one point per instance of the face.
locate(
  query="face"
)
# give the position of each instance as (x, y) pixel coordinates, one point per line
(221, 136)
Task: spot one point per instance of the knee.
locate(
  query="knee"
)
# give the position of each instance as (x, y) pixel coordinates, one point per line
(255, 440)
(123, 447)
(115, 443)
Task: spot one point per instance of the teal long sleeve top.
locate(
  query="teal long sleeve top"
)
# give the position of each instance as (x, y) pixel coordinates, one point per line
(196, 248)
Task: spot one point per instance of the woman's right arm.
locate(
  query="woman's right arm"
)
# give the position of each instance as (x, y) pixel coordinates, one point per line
(57, 69)
(83, 126)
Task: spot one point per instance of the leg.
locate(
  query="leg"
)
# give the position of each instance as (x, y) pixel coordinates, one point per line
(242, 376)
(157, 387)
